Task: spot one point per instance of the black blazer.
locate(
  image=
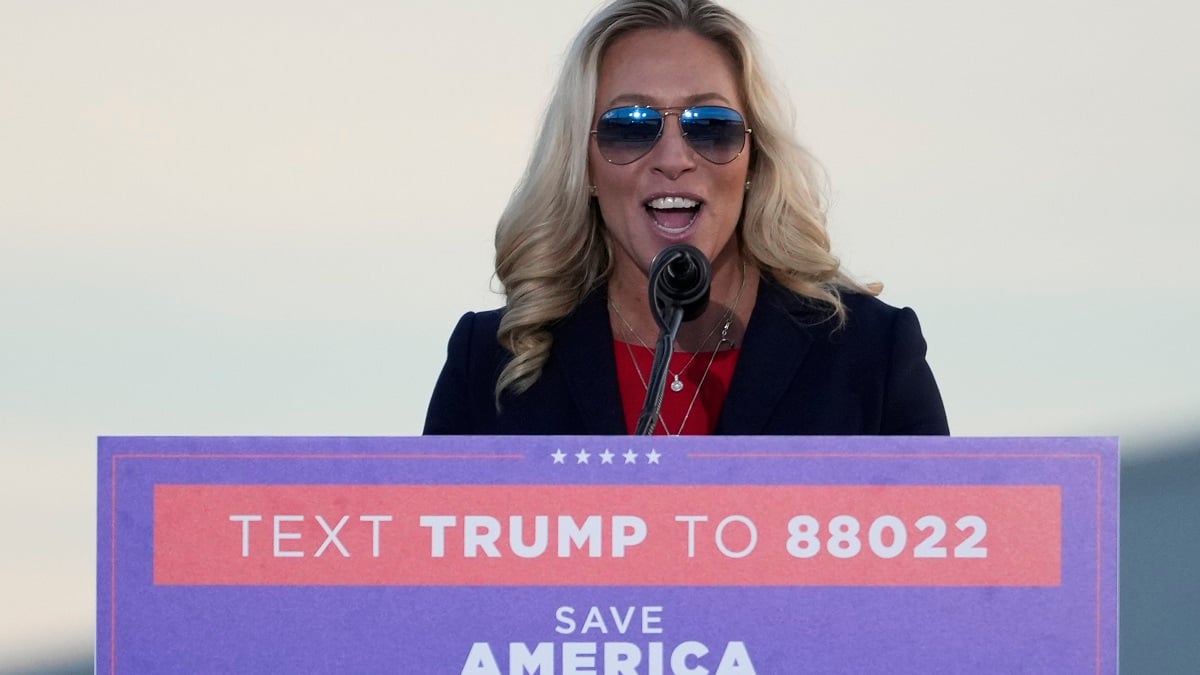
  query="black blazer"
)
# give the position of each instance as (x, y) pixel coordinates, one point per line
(798, 374)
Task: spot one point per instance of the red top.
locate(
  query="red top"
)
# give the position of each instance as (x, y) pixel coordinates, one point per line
(675, 415)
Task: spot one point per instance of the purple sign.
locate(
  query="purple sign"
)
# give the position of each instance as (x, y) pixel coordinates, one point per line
(607, 555)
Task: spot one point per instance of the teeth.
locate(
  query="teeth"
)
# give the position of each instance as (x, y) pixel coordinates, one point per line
(673, 203)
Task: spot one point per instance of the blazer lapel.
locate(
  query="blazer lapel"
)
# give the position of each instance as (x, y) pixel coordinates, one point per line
(584, 345)
(776, 342)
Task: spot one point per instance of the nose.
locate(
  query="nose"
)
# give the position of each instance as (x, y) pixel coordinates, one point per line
(672, 156)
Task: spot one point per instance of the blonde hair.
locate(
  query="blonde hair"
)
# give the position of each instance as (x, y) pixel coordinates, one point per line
(551, 245)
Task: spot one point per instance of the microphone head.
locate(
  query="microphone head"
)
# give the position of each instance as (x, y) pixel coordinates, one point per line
(680, 277)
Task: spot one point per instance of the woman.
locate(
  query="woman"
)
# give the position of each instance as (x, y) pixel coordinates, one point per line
(661, 130)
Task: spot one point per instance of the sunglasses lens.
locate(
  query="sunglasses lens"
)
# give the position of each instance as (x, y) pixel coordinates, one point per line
(715, 133)
(626, 134)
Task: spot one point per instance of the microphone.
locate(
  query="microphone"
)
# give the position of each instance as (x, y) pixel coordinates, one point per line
(680, 278)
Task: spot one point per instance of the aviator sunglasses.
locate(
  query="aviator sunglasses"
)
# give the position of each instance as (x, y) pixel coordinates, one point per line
(626, 134)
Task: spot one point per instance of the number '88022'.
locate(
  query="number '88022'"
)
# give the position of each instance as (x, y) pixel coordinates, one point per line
(886, 537)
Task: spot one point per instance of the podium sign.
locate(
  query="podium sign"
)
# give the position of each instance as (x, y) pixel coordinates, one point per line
(607, 555)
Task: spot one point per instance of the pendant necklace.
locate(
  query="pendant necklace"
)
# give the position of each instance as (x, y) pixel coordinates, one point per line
(723, 324)
(677, 384)
(699, 385)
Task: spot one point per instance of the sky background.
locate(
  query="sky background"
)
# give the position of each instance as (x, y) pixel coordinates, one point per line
(245, 218)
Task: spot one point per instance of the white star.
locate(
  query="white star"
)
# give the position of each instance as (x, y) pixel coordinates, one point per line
(581, 457)
(606, 457)
(559, 456)
(630, 456)
(652, 456)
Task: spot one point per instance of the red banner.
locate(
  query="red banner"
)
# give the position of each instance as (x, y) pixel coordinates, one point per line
(533, 535)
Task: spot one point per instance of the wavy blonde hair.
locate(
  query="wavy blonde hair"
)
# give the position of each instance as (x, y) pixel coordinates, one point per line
(551, 244)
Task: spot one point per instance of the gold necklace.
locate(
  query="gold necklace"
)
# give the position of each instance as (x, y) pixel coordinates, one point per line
(723, 323)
(676, 382)
(699, 385)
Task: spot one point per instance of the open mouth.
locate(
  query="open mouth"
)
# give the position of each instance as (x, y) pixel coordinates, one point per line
(673, 215)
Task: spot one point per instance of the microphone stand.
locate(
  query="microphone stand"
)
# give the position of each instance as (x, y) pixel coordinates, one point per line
(680, 277)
